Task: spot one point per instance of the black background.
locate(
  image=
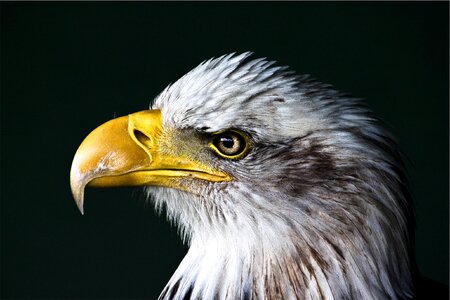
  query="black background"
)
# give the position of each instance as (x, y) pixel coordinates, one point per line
(68, 67)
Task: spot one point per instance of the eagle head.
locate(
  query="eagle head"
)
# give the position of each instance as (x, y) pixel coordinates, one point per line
(283, 187)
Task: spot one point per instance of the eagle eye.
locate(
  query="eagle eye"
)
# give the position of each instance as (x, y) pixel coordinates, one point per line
(230, 144)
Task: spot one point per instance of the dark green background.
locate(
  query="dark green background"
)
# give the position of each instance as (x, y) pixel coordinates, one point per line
(68, 67)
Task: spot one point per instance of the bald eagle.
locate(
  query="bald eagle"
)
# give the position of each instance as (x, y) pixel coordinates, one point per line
(282, 187)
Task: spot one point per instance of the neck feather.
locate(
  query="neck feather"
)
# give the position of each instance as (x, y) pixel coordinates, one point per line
(310, 267)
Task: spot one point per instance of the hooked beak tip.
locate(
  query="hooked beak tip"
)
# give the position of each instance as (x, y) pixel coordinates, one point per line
(77, 187)
(80, 205)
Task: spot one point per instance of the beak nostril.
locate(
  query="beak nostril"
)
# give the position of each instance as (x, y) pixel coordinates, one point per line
(142, 138)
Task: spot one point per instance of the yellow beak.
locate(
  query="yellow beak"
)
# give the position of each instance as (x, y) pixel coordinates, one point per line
(127, 151)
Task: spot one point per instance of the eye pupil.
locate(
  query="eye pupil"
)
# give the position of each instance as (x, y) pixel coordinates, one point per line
(227, 141)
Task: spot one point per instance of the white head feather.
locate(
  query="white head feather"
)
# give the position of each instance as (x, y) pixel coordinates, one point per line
(318, 209)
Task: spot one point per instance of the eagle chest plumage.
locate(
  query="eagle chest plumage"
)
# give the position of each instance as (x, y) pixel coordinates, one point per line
(283, 187)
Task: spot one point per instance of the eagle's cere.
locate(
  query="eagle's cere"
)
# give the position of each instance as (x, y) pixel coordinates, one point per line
(283, 187)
